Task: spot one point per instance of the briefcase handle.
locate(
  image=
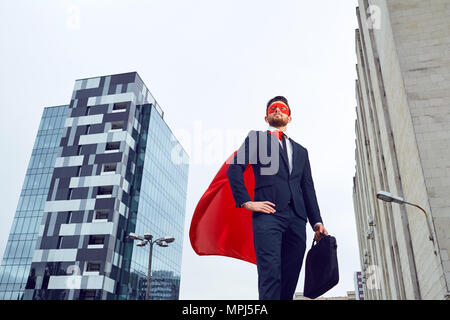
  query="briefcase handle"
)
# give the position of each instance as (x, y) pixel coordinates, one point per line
(323, 236)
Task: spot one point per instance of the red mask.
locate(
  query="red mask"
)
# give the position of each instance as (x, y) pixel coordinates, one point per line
(278, 104)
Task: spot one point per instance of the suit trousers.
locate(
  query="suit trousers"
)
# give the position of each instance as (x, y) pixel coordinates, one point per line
(280, 244)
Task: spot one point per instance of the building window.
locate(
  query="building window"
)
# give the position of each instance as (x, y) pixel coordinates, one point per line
(117, 125)
(113, 146)
(101, 214)
(122, 106)
(59, 244)
(105, 190)
(78, 171)
(93, 266)
(97, 239)
(109, 167)
(69, 216)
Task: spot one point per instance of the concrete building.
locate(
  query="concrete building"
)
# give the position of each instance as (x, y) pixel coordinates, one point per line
(112, 167)
(403, 147)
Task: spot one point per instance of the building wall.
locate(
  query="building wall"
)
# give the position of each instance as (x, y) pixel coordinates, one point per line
(24, 230)
(98, 184)
(422, 36)
(401, 146)
(159, 209)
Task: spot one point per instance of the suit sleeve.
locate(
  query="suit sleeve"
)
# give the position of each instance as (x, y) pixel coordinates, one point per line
(235, 172)
(309, 194)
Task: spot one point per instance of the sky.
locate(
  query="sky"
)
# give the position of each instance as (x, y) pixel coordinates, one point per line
(212, 65)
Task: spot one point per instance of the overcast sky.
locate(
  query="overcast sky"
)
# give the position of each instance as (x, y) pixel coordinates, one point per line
(212, 65)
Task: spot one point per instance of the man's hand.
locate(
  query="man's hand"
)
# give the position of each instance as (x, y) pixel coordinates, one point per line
(260, 206)
(319, 228)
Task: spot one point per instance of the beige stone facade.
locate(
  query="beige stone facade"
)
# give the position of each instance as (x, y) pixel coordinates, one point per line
(403, 147)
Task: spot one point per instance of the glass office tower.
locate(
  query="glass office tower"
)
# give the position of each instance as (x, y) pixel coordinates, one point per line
(119, 170)
(162, 198)
(22, 238)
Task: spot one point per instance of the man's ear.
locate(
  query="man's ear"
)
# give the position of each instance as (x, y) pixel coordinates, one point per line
(265, 118)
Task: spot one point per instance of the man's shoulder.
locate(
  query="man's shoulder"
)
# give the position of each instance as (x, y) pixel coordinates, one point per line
(299, 145)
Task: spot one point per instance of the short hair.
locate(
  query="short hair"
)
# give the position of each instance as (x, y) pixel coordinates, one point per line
(278, 98)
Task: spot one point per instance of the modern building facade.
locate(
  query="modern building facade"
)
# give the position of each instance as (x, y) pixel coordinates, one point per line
(403, 147)
(119, 169)
(19, 250)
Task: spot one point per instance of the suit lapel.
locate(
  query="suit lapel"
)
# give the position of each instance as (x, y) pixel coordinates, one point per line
(294, 155)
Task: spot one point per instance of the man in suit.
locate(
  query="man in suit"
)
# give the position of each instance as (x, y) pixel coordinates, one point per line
(284, 200)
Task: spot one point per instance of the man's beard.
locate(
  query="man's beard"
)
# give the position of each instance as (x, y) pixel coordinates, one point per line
(280, 122)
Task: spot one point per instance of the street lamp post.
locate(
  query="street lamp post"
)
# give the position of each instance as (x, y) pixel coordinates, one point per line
(389, 197)
(148, 239)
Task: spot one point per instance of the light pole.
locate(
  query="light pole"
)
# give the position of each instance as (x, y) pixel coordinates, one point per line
(148, 239)
(389, 197)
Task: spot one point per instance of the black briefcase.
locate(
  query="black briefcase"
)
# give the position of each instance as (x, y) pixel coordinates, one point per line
(321, 267)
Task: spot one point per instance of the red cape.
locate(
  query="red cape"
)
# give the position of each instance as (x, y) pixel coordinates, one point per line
(217, 226)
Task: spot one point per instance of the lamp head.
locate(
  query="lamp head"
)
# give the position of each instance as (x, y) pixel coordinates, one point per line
(134, 236)
(169, 239)
(162, 244)
(148, 236)
(389, 197)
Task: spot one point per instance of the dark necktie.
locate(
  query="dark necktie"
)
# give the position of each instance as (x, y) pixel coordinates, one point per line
(283, 141)
(282, 137)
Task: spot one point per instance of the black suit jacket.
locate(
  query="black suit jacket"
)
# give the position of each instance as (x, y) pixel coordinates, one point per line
(273, 182)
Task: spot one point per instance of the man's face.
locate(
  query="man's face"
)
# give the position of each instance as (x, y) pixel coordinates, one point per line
(278, 114)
